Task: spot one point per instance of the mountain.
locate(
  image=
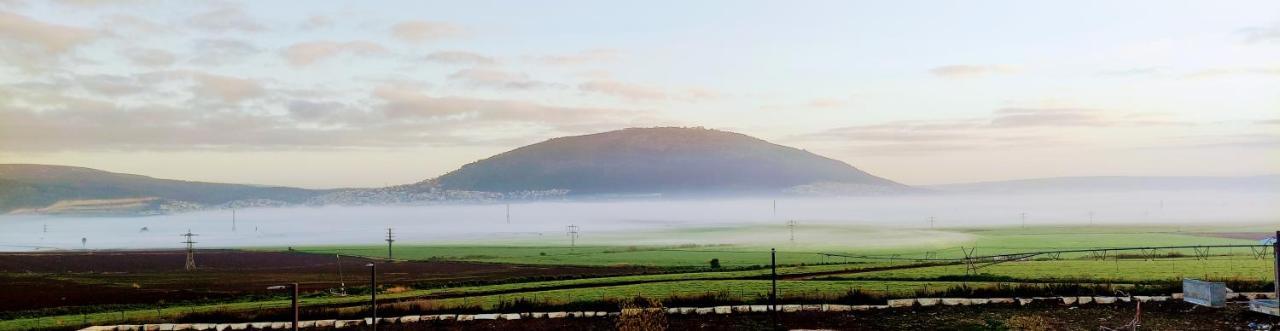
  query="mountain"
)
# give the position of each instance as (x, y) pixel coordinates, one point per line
(667, 160)
(1270, 183)
(33, 186)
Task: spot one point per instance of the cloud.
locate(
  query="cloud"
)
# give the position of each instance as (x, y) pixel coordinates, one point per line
(827, 103)
(51, 38)
(226, 88)
(401, 102)
(111, 85)
(1223, 72)
(459, 57)
(421, 31)
(492, 78)
(316, 22)
(624, 90)
(1261, 34)
(583, 57)
(965, 71)
(306, 53)
(96, 3)
(1004, 128)
(149, 57)
(225, 19)
(222, 51)
(1269, 122)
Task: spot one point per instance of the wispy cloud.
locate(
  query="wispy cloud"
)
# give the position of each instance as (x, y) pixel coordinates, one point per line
(579, 58)
(493, 78)
(1260, 34)
(306, 53)
(459, 57)
(964, 71)
(27, 42)
(422, 31)
(225, 19)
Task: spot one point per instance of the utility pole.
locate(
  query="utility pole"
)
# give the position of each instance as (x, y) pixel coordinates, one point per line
(508, 213)
(1090, 217)
(1275, 245)
(191, 250)
(373, 291)
(233, 220)
(1024, 220)
(293, 288)
(573, 235)
(930, 222)
(773, 291)
(389, 241)
(775, 209)
(792, 226)
(46, 228)
(84, 241)
(342, 283)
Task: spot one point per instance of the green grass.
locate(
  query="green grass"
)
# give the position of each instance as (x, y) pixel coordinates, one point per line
(1236, 267)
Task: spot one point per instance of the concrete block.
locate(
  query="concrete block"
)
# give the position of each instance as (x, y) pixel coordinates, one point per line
(558, 314)
(129, 327)
(1002, 300)
(182, 327)
(1142, 298)
(899, 303)
(704, 311)
(410, 319)
(1160, 298)
(238, 326)
(281, 325)
(1176, 296)
(1069, 300)
(602, 314)
(486, 317)
(151, 327)
(790, 308)
(759, 308)
(979, 301)
(1104, 300)
(837, 308)
(447, 317)
(509, 317)
(926, 302)
(537, 315)
(742, 309)
(686, 310)
(722, 310)
(613, 314)
(955, 302)
(325, 323)
(810, 307)
(1125, 299)
(861, 307)
(260, 325)
(306, 324)
(1084, 300)
(165, 327)
(465, 317)
(1025, 301)
(202, 326)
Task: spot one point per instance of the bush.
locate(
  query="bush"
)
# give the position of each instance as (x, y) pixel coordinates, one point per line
(715, 263)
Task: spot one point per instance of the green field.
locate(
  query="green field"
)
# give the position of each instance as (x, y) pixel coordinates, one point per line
(808, 273)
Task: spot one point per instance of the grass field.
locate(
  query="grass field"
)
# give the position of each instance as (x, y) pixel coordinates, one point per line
(807, 273)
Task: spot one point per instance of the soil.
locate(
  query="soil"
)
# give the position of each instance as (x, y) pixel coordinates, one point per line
(57, 279)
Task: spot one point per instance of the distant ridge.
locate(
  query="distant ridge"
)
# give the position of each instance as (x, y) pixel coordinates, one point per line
(1267, 183)
(664, 160)
(35, 186)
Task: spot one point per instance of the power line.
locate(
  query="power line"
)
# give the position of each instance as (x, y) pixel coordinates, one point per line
(191, 250)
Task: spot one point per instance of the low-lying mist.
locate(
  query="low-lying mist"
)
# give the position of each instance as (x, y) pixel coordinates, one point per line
(544, 222)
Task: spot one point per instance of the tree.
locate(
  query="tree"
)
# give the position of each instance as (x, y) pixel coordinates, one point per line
(715, 263)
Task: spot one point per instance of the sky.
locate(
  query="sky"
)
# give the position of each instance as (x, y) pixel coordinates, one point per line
(326, 94)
